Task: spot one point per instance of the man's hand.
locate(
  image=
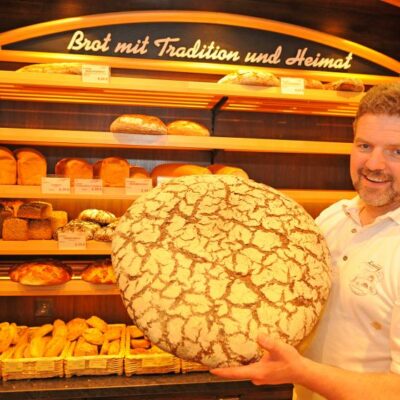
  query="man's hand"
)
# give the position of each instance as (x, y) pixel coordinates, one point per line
(281, 363)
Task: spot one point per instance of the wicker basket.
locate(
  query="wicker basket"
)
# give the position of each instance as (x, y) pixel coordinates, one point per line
(95, 365)
(29, 368)
(149, 363)
(189, 366)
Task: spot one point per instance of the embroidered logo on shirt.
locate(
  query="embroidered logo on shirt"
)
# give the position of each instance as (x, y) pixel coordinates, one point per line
(366, 281)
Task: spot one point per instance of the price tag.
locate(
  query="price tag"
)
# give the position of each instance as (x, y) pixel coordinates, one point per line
(91, 186)
(98, 363)
(77, 364)
(162, 179)
(71, 241)
(11, 366)
(137, 186)
(45, 366)
(292, 85)
(95, 73)
(56, 185)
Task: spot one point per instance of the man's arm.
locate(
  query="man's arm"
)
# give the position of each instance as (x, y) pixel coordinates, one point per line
(283, 364)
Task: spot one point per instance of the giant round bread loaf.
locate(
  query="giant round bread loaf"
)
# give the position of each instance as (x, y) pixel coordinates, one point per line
(206, 262)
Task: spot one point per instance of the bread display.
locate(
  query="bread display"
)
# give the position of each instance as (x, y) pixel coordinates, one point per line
(174, 170)
(39, 229)
(222, 259)
(101, 217)
(139, 124)
(254, 78)
(346, 84)
(70, 68)
(76, 327)
(31, 166)
(112, 171)
(220, 169)
(35, 210)
(78, 226)
(15, 229)
(99, 272)
(187, 128)
(74, 168)
(41, 272)
(138, 172)
(8, 167)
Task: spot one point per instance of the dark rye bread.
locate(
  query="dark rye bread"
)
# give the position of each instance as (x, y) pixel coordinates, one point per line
(206, 262)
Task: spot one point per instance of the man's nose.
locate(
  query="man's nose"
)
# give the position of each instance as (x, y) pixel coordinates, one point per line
(376, 160)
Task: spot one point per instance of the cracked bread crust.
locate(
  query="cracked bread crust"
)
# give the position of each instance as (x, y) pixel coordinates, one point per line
(206, 262)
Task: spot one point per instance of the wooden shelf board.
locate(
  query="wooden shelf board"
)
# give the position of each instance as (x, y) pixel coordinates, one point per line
(172, 93)
(68, 138)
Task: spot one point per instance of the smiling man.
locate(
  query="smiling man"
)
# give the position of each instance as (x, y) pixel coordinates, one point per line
(355, 352)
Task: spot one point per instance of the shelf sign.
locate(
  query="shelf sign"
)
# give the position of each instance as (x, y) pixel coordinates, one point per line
(95, 73)
(135, 186)
(190, 41)
(71, 241)
(56, 185)
(292, 85)
(88, 186)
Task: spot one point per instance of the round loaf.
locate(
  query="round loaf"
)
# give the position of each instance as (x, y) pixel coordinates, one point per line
(187, 128)
(254, 78)
(101, 217)
(220, 169)
(36, 273)
(206, 262)
(140, 124)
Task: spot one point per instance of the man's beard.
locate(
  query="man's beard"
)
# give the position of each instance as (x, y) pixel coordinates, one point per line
(376, 197)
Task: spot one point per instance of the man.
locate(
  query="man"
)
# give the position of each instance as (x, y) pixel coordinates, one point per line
(355, 353)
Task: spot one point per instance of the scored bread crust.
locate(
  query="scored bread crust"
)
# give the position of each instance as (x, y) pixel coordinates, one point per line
(54, 68)
(206, 262)
(139, 124)
(187, 128)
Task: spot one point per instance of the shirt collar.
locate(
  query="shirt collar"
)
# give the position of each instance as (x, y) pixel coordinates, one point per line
(352, 209)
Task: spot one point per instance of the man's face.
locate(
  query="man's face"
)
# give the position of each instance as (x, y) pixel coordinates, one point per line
(375, 160)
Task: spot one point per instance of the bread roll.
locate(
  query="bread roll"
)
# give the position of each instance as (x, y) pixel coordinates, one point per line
(15, 229)
(70, 68)
(31, 166)
(76, 327)
(84, 348)
(177, 169)
(74, 168)
(55, 346)
(139, 124)
(187, 128)
(8, 167)
(138, 172)
(254, 78)
(112, 171)
(220, 169)
(93, 335)
(101, 217)
(41, 272)
(35, 210)
(96, 322)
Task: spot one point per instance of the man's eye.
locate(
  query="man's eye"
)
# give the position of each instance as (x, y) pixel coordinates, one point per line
(363, 146)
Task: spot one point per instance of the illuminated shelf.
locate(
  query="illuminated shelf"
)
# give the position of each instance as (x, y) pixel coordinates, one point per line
(68, 138)
(43, 87)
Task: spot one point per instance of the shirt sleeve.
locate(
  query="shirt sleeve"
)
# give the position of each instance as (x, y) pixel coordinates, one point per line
(395, 338)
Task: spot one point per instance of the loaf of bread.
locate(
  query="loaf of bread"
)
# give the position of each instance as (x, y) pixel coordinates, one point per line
(187, 128)
(313, 84)
(5, 212)
(220, 169)
(138, 172)
(74, 168)
(139, 124)
(177, 169)
(99, 272)
(112, 171)
(70, 68)
(41, 272)
(98, 323)
(58, 219)
(13, 204)
(8, 167)
(77, 226)
(39, 229)
(105, 233)
(75, 328)
(15, 229)
(254, 78)
(31, 166)
(35, 210)
(346, 84)
(101, 217)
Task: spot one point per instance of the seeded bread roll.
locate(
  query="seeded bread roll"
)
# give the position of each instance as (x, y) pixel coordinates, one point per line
(187, 128)
(77, 225)
(31, 166)
(74, 168)
(35, 210)
(54, 68)
(112, 171)
(101, 217)
(254, 78)
(139, 124)
(8, 167)
(206, 262)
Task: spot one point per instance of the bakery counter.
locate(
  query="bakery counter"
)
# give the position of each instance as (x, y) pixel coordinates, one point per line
(194, 386)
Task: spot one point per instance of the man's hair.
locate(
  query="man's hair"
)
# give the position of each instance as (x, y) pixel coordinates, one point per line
(381, 99)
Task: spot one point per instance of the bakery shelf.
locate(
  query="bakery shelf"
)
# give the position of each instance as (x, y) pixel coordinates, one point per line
(35, 192)
(172, 93)
(322, 198)
(73, 287)
(68, 138)
(50, 247)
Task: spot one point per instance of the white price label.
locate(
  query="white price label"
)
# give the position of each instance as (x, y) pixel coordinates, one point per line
(91, 186)
(137, 186)
(292, 85)
(95, 73)
(56, 185)
(71, 241)
(162, 179)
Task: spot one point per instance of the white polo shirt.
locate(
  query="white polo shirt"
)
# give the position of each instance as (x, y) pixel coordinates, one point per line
(360, 329)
